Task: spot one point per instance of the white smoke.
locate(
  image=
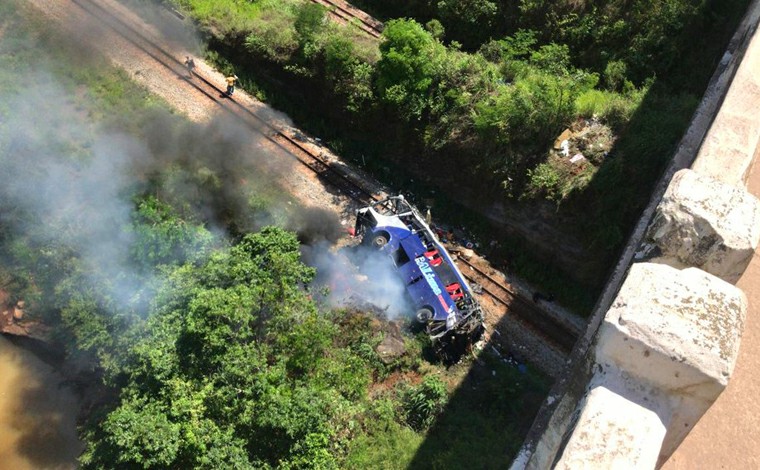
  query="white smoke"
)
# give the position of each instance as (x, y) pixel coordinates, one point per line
(73, 183)
(69, 184)
(359, 276)
(172, 27)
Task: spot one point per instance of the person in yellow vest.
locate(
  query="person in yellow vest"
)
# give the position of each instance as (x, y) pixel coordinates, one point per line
(231, 84)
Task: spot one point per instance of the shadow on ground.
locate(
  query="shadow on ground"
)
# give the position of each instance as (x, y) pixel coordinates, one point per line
(491, 411)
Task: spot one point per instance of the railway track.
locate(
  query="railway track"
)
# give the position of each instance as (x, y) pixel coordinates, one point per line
(555, 333)
(262, 126)
(348, 14)
(561, 337)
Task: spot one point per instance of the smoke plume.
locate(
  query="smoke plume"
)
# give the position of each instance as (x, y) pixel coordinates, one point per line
(358, 277)
(69, 186)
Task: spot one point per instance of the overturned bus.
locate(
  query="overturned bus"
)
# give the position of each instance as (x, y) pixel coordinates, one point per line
(443, 300)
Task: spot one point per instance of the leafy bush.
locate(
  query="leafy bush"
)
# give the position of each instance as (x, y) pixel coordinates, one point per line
(423, 403)
(553, 58)
(528, 112)
(435, 28)
(545, 180)
(614, 75)
(409, 67)
(161, 237)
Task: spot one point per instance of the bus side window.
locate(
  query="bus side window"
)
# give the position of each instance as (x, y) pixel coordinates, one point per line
(400, 257)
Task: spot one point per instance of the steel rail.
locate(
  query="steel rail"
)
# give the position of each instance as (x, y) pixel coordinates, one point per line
(321, 167)
(544, 325)
(347, 15)
(526, 311)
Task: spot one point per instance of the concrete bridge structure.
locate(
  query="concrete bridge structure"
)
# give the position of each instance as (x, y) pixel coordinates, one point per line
(664, 337)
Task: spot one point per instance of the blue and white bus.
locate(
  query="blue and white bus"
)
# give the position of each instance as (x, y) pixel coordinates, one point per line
(443, 300)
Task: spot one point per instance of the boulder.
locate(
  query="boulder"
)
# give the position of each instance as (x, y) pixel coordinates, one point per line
(392, 346)
(678, 330)
(704, 223)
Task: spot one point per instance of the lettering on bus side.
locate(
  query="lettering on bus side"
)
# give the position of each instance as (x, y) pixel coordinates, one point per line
(427, 271)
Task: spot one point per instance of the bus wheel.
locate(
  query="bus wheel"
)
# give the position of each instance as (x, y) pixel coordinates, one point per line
(424, 315)
(380, 240)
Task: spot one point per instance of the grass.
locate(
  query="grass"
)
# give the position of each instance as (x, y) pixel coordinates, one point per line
(490, 408)
(227, 16)
(613, 108)
(386, 444)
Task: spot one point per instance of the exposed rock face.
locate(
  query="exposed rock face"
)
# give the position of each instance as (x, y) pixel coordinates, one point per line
(708, 224)
(392, 346)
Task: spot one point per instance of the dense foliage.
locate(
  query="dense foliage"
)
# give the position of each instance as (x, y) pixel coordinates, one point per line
(229, 370)
(195, 326)
(468, 97)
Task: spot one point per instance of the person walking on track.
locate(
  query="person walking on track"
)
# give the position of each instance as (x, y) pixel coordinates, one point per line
(231, 80)
(190, 64)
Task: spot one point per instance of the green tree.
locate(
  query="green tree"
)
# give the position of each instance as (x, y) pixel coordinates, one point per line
(162, 237)
(474, 12)
(410, 65)
(143, 434)
(309, 22)
(553, 58)
(435, 28)
(350, 77)
(233, 347)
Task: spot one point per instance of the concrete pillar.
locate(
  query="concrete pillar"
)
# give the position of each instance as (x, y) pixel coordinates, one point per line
(622, 424)
(705, 223)
(664, 353)
(727, 154)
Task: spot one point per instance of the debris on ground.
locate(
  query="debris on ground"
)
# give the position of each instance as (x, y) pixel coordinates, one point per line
(466, 253)
(562, 138)
(586, 140)
(577, 158)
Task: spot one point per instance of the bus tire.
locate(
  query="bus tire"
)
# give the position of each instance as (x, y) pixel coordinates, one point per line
(424, 315)
(379, 240)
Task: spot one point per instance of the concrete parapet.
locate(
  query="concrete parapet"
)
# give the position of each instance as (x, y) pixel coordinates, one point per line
(705, 223)
(735, 131)
(614, 430)
(663, 355)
